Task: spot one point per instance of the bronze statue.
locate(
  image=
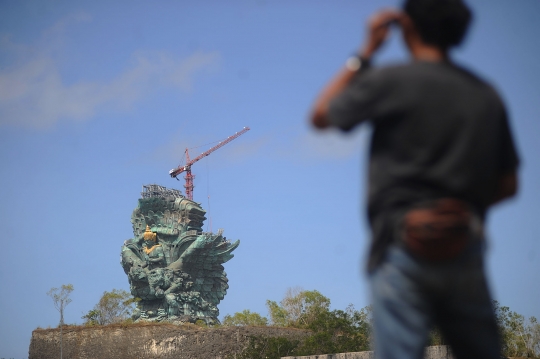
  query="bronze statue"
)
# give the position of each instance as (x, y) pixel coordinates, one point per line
(172, 265)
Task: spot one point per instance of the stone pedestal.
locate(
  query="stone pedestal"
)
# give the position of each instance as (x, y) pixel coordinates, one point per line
(149, 341)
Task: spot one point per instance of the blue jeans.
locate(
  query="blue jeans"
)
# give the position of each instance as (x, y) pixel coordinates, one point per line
(411, 296)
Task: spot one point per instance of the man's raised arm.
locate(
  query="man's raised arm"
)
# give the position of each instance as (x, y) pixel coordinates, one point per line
(378, 27)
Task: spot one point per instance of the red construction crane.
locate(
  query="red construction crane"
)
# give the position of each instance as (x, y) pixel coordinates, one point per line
(187, 167)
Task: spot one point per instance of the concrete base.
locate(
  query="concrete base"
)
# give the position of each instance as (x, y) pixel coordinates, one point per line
(150, 341)
(356, 355)
(436, 352)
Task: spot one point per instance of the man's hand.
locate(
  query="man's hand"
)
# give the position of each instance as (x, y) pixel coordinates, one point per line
(378, 27)
(377, 31)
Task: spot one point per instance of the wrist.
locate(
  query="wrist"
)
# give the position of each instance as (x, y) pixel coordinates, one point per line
(357, 63)
(366, 52)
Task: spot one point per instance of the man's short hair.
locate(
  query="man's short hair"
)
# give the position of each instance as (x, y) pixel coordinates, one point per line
(442, 23)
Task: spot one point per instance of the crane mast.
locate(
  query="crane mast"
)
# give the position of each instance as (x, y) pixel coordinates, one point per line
(189, 162)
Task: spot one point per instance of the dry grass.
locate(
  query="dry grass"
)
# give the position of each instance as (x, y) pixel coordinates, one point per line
(77, 328)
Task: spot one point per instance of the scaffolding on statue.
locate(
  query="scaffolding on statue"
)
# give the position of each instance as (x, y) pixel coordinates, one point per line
(157, 191)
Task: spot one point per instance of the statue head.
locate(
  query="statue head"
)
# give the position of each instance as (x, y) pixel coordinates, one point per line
(156, 277)
(137, 274)
(149, 235)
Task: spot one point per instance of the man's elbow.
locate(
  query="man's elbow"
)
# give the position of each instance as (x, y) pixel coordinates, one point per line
(509, 184)
(507, 187)
(319, 118)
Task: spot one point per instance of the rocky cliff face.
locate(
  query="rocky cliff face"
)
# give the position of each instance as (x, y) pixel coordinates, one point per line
(149, 341)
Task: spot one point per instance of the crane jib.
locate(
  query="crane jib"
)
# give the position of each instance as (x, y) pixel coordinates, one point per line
(187, 167)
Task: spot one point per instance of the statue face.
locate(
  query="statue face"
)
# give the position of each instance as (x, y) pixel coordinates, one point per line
(155, 276)
(149, 244)
(138, 273)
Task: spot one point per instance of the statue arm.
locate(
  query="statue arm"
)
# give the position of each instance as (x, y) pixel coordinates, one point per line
(159, 258)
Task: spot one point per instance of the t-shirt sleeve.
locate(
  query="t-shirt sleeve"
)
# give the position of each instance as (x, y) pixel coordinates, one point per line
(357, 102)
(509, 159)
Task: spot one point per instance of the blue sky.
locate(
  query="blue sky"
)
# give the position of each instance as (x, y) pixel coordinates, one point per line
(99, 98)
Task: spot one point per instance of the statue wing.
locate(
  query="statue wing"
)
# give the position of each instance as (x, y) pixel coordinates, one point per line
(203, 260)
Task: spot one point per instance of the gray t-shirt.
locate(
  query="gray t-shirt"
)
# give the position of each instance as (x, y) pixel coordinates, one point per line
(438, 131)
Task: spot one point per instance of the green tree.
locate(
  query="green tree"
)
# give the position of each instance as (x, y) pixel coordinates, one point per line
(349, 330)
(278, 315)
(60, 297)
(338, 331)
(115, 306)
(520, 337)
(245, 317)
(298, 308)
(334, 331)
(436, 337)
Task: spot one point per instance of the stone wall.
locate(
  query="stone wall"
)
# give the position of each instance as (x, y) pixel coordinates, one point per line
(149, 341)
(436, 352)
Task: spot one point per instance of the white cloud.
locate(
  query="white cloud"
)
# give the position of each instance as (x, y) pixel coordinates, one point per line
(33, 93)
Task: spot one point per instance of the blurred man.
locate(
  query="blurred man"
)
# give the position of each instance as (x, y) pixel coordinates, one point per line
(441, 154)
